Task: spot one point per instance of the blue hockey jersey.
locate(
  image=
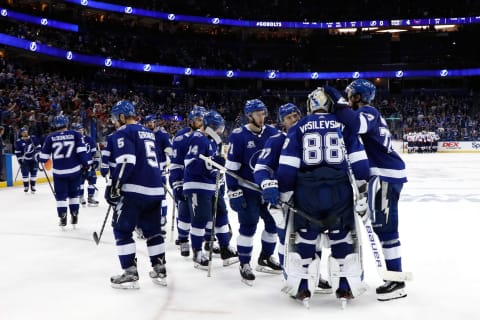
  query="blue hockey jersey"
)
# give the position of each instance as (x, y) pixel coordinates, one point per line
(135, 145)
(179, 150)
(91, 148)
(313, 143)
(244, 149)
(107, 162)
(198, 177)
(25, 149)
(267, 163)
(68, 152)
(367, 121)
(164, 147)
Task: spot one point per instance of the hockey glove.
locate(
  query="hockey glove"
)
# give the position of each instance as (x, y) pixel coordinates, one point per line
(112, 196)
(104, 169)
(333, 94)
(177, 188)
(270, 192)
(237, 200)
(85, 171)
(95, 164)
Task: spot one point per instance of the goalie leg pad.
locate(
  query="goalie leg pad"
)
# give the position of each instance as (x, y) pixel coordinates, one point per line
(351, 268)
(295, 272)
(313, 274)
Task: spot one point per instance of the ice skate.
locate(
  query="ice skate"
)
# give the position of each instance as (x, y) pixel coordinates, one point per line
(184, 248)
(199, 259)
(303, 296)
(268, 265)
(92, 202)
(216, 248)
(391, 290)
(127, 280)
(74, 219)
(323, 287)
(247, 274)
(228, 255)
(159, 274)
(33, 189)
(63, 221)
(82, 201)
(25, 189)
(344, 295)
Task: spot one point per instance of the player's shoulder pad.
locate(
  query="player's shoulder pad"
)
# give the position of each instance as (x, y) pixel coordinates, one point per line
(197, 134)
(178, 138)
(237, 130)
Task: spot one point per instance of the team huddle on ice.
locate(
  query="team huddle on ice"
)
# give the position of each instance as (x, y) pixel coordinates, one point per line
(315, 182)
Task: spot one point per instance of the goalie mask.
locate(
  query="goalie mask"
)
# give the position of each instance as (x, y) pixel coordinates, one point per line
(317, 100)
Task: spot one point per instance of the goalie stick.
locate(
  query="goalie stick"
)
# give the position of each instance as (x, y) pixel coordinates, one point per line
(375, 245)
(322, 223)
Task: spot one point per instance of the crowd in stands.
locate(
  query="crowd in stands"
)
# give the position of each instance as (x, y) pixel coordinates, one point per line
(33, 99)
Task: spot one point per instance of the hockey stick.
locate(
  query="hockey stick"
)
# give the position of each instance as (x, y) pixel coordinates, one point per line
(48, 179)
(254, 186)
(173, 211)
(97, 237)
(385, 274)
(18, 171)
(214, 219)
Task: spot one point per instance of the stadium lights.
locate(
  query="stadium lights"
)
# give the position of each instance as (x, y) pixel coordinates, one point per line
(67, 55)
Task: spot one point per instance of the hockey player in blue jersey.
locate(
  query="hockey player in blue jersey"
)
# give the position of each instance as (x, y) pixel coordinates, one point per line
(69, 162)
(246, 144)
(91, 176)
(164, 149)
(107, 162)
(315, 179)
(26, 149)
(136, 193)
(265, 173)
(200, 184)
(387, 170)
(179, 150)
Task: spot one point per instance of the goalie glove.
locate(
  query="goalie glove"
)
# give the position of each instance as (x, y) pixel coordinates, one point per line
(361, 205)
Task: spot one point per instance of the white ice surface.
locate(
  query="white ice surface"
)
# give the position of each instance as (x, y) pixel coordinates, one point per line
(52, 274)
